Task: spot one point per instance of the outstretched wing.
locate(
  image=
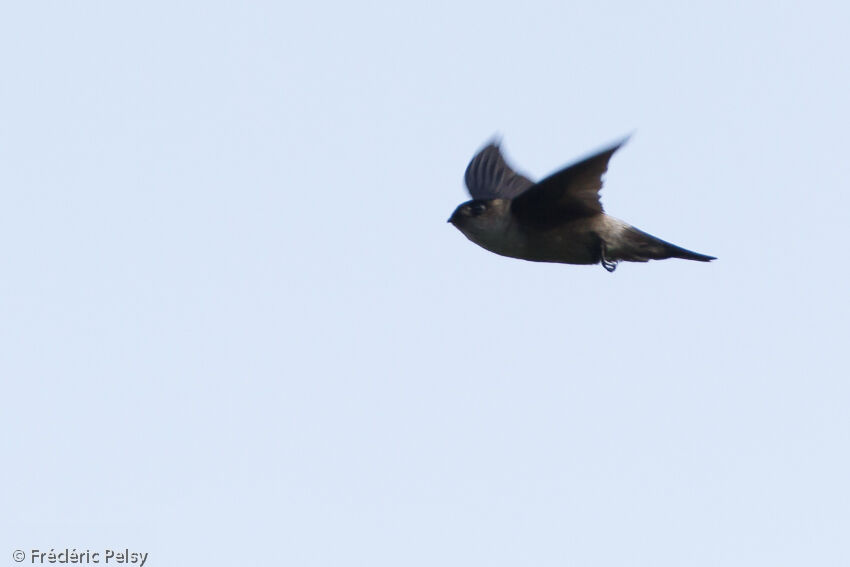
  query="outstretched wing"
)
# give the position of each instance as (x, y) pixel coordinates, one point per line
(488, 176)
(569, 194)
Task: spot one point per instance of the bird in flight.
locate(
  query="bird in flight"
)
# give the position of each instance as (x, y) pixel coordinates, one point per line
(559, 219)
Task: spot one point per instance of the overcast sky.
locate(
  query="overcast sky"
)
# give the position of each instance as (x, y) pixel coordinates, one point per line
(236, 328)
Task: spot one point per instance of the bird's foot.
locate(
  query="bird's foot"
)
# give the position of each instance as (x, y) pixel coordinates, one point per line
(609, 265)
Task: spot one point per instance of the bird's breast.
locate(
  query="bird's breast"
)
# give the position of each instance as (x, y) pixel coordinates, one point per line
(571, 243)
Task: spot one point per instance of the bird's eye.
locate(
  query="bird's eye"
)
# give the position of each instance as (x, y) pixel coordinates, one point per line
(477, 208)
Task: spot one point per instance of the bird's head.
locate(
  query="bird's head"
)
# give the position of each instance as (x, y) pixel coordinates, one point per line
(481, 216)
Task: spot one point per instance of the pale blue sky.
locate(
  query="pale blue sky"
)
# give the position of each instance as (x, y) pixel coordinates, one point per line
(236, 328)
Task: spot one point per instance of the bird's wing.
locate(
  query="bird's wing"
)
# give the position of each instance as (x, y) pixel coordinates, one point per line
(571, 193)
(488, 176)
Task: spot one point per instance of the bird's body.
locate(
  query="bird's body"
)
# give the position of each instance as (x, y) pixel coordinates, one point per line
(559, 219)
(569, 243)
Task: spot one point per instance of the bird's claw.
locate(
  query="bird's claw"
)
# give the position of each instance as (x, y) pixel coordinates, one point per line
(609, 265)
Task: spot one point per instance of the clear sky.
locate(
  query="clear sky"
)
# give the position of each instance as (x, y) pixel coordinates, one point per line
(236, 328)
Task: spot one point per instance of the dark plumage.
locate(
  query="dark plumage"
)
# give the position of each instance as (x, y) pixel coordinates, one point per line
(558, 219)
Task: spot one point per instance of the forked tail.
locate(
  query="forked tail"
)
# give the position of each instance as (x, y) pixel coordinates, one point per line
(635, 245)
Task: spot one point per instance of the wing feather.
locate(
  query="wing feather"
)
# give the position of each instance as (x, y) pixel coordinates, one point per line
(488, 176)
(568, 194)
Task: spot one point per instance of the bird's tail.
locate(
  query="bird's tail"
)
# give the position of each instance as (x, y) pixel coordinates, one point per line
(637, 246)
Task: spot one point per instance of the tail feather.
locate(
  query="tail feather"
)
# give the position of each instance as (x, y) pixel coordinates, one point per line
(634, 245)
